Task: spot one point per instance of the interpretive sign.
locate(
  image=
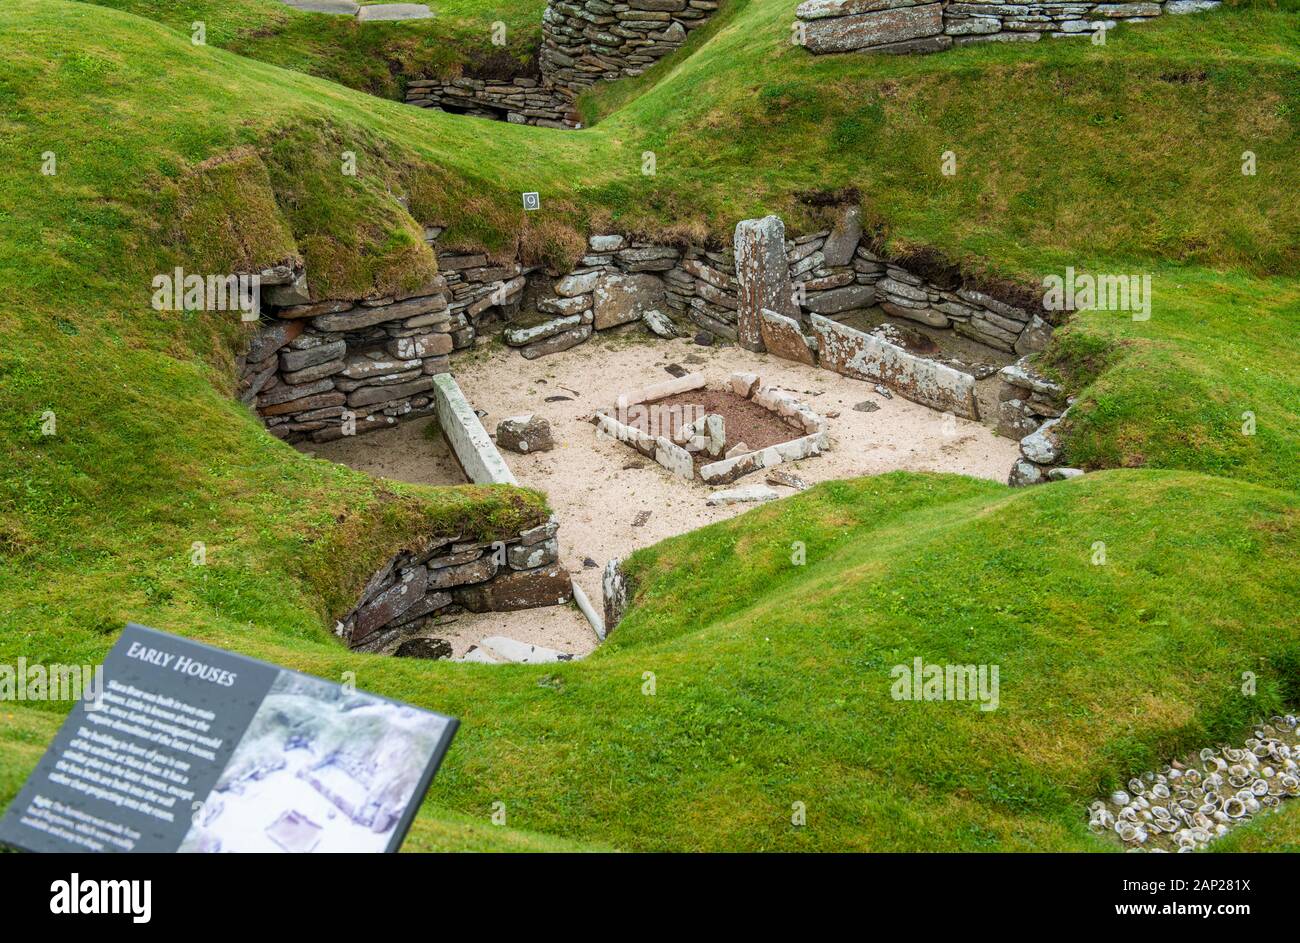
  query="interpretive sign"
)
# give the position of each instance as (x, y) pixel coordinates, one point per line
(191, 748)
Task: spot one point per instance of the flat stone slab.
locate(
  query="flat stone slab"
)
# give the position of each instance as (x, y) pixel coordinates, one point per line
(874, 28)
(621, 299)
(868, 357)
(594, 618)
(523, 336)
(337, 7)
(523, 653)
(393, 11)
(478, 655)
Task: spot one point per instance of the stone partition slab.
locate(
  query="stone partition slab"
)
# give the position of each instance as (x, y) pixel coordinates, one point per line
(763, 277)
(731, 469)
(868, 357)
(470, 442)
(692, 381)
(783, 338)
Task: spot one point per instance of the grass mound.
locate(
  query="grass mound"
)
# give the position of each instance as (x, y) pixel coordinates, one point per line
(772, 680)
(371, 57)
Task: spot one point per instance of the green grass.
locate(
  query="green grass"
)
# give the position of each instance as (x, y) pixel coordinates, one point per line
(772, 680)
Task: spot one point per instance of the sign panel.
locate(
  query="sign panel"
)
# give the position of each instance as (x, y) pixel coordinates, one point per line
(191, 748)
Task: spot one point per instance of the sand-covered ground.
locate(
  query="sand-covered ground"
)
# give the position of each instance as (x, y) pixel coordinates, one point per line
(608, 499)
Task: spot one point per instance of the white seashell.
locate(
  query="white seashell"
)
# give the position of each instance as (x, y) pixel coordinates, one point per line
(1234, 808)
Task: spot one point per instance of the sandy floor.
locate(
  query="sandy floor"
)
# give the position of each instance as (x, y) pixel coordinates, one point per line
(404, 453)
(609, 499)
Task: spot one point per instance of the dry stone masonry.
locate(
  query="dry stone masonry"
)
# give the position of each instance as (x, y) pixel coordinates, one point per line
(325, 369)
(404, 600)
(318, 370)
(582, 43)
(916, 26)
(402, 603)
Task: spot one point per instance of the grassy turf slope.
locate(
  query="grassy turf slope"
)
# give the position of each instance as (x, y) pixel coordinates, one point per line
(371, 57)
(164, 147)
(772, 680)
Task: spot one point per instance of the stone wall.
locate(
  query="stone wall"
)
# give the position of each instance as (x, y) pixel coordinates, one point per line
(404, 599)
(582, 43)
(914, 26)
(519, 101)
(323, 370)
(326, 369)
(586, 42)
(833, 273)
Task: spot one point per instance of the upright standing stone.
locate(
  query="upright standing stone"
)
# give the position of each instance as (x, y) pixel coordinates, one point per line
(764, 277)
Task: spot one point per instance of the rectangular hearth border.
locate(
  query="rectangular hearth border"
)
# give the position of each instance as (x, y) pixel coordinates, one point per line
(678, 460)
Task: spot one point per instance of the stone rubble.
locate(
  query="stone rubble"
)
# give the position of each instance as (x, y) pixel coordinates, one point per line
(1031, 407)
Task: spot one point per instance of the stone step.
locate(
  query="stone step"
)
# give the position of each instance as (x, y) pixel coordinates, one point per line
(523, 336)
(337, 7)
(393, 11)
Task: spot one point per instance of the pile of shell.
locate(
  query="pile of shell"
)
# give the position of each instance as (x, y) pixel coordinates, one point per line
(1188, 805)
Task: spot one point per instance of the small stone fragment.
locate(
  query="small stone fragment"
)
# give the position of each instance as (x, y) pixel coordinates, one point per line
(786, 480)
